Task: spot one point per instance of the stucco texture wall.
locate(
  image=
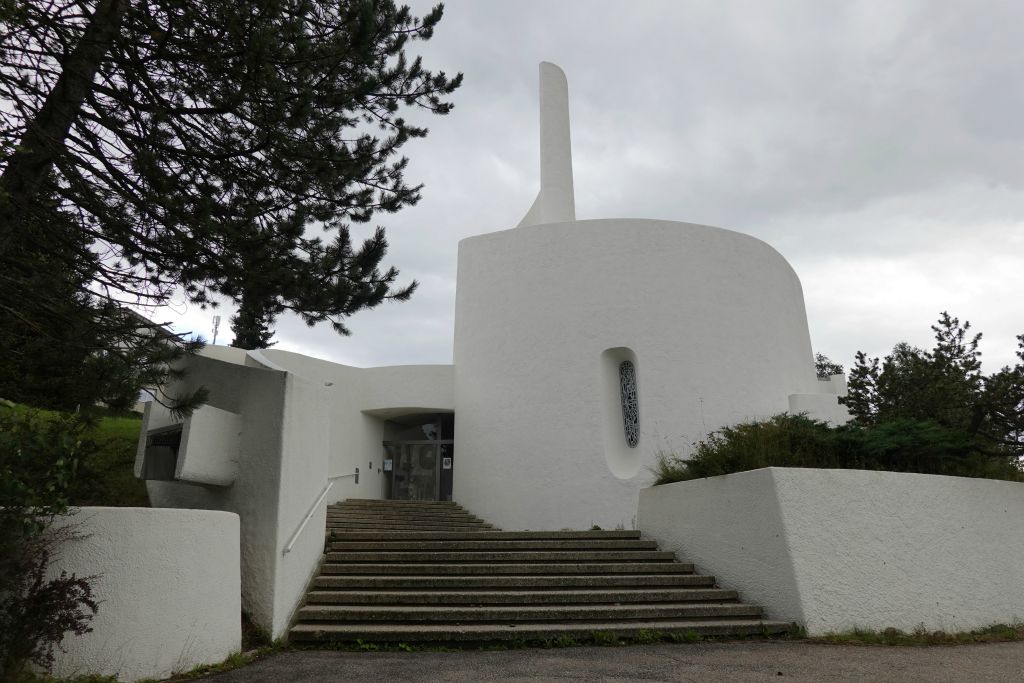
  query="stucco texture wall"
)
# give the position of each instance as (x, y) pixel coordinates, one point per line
(843, 549)
(303, 474)
(168, 585)
(258, 395)
(302, 420)
(714, 319)
(359, 400)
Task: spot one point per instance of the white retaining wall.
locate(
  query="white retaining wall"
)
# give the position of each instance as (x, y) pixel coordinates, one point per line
(841, 549)
(168, 582)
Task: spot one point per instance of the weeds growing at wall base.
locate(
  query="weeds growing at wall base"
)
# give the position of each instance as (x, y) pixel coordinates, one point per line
(998, 633)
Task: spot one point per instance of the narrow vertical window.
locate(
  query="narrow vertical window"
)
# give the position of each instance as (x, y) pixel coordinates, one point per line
(630, 404)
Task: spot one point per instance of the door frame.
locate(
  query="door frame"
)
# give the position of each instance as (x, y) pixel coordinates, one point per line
(437, 443)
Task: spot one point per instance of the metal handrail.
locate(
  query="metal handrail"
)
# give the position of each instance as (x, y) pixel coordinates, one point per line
(316, 506)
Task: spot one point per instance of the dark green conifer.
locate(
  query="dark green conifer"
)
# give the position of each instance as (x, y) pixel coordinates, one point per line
(215, 147)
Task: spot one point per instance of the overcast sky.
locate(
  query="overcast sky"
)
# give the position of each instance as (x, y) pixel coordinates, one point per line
(879, 146)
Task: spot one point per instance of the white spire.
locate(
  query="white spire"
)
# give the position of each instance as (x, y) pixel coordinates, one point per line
(556, 201)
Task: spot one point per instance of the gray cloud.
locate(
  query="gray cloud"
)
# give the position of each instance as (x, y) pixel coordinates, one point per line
(878, 146)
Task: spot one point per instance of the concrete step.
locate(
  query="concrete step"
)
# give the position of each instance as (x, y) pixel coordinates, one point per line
(368, 521)
(511, 582)
(426, 571)
(378, 501)
(503, 556)
(517, 597)
(496, 535)
(384, 527)
(399, 505)
(396, 511)
(515, 613)
(408, 526)
(477, 569)
(540, 544)
(412, 521)
(400, 515)
(369, 517)
(526, 631)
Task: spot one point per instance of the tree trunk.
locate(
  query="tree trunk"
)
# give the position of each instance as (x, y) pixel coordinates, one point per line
(45, 135)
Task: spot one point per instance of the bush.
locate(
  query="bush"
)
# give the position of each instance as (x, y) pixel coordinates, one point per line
(39, 456)
(37, 612)
(797, 441)
(105, 472)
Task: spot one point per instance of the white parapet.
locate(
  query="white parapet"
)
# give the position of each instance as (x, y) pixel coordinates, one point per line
(168, 585)
(836, 550)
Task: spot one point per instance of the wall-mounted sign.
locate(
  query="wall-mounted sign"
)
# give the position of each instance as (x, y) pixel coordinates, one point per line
(387, 465)
(446, 463)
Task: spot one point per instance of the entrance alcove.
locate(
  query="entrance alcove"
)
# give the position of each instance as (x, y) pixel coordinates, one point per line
(418, 456)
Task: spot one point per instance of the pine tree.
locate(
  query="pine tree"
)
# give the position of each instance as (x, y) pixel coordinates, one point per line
(66, 347)
(944, 386)
(178, 134)
(825, 367)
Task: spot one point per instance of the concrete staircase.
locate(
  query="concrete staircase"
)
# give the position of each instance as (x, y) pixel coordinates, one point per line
(416, 571)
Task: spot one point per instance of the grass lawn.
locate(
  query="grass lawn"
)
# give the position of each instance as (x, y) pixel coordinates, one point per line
(108, 477)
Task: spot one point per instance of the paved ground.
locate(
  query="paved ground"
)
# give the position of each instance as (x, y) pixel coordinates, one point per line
(739, 661)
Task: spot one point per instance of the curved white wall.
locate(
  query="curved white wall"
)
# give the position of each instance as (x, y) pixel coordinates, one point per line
(715, 319)
(169, 585)
(842, 549)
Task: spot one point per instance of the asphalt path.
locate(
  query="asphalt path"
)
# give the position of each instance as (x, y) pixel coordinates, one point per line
(729, 661)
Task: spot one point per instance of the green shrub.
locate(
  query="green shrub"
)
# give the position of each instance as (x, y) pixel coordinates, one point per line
(798, 441)
(106, 474)
(39, 457)
(781, 441)
(906, 445)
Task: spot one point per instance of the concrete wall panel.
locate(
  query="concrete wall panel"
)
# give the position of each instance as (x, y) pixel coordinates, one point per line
(168, 581)
(843, 549)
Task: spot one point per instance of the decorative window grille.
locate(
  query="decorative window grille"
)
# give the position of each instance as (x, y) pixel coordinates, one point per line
(630, 404)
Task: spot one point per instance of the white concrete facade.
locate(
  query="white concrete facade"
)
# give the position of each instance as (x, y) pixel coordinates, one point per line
(714, 320)
(836, 550)
(168, 586)
(302, 424)
(547, 314)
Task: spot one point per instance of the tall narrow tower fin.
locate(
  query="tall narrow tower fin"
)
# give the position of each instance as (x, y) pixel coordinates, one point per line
(556, 201)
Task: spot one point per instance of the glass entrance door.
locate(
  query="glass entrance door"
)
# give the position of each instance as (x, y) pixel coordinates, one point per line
(418, 460)
(415, 468)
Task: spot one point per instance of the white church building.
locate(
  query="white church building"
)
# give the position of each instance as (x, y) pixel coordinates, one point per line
(582, 350)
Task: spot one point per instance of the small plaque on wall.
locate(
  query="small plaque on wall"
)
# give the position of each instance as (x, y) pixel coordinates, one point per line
(446, 463)
(387, 465)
